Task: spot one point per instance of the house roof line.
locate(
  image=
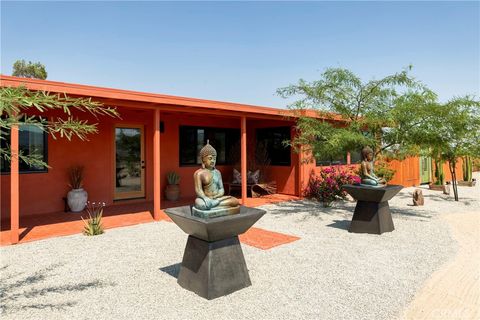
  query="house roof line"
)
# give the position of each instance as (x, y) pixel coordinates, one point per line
(104, 92)
(155, 98)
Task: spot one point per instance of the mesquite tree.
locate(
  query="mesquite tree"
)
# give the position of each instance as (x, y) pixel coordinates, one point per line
(452, 131)
(377, 113)
(18, 104)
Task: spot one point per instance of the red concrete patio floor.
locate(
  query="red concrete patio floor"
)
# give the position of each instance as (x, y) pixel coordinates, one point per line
(64, 223)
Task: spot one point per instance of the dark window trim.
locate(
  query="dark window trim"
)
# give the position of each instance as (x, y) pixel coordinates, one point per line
(317, 164)
(45, 158)
(195, 128)
(272, 162)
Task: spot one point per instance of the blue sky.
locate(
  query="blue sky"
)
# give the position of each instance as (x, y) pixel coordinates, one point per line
(243, 51)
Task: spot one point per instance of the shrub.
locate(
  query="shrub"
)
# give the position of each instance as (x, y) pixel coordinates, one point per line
(382, 170)
(328, 186)
(93, 225)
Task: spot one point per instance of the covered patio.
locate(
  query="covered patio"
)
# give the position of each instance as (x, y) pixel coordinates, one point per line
(168, 131)
(58, 224)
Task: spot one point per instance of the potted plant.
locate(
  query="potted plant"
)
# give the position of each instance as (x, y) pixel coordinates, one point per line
(172, 191)
(77, 197)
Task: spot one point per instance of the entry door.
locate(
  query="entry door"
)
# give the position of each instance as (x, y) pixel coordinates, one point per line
(425, 169)
(129, 162)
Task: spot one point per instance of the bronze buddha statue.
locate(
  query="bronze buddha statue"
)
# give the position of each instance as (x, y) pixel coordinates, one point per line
(211, 200)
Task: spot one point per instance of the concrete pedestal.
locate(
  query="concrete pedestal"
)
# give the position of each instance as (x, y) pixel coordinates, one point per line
(213, 264)
(372, 212)
(213, 269)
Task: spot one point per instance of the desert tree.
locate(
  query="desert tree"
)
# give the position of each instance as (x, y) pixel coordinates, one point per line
(20, 106)
(29, 70)
(349, 114)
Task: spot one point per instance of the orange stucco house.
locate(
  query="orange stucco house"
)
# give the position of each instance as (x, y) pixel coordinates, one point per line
(166, 132)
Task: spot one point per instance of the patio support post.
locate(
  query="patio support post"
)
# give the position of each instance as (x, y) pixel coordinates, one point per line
(156, 166)
(300, 171)
(244, 159)
(14, 187)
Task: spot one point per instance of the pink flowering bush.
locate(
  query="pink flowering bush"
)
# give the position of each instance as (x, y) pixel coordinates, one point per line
(328, 186)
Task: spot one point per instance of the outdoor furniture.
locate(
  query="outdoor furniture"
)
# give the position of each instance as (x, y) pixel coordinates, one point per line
(213, 264)
(372, 212)
(256, 190)
(237, 187)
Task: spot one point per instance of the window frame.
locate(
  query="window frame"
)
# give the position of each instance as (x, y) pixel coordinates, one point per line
(271, 131)
(45, 155)
(229, 142)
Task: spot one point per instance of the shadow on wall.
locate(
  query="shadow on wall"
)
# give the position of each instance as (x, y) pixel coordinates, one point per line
(20, 291)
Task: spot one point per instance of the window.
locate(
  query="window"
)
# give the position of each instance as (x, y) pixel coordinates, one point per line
(355, 157)
(31, 141)
(272, 139)
(331, 161)
(192, 139)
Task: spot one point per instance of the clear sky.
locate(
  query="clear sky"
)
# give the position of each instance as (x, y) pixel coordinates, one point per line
(243, 51)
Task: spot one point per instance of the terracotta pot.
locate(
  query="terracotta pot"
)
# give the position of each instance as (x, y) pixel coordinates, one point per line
(77, 199)
(172, 192)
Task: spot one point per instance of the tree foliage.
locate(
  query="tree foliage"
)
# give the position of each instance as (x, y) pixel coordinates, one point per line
(365, 110)
(29, 70)
(450, 131)
(21, 106)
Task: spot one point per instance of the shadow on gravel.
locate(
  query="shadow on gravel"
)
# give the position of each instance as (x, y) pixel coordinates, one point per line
(340, 224)
(172, 270)
(19, 291)
(306, 209)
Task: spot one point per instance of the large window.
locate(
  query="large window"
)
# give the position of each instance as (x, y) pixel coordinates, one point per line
(272, 139)
(32, 141)
(331, 161)
(355, 157)
(192, 139)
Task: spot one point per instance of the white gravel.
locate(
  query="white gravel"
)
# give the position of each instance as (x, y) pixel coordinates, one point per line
(128, 273)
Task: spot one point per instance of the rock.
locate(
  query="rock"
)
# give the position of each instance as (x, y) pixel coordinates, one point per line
(418, 199)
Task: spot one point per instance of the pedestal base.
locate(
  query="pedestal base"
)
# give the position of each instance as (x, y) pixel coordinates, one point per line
(371, 217)
(213, 269)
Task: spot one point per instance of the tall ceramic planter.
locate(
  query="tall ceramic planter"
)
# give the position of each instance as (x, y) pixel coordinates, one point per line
(77, 199)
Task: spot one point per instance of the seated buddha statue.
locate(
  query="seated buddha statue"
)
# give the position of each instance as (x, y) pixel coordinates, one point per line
(366, 169)
(211, 200)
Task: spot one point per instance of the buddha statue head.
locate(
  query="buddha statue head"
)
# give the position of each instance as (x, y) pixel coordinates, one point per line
(367, 154)
(208, 154)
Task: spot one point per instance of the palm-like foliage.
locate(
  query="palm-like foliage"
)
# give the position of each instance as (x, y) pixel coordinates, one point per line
(17, 104)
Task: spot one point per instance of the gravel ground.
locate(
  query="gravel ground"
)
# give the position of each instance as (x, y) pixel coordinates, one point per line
(129, 273)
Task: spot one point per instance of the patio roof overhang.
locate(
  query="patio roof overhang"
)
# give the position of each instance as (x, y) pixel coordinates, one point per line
(146, 100)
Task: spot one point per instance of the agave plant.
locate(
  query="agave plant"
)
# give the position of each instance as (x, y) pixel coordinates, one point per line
(173, 177)
(93, 224)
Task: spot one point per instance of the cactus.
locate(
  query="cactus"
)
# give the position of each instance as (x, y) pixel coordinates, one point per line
(467, 168)
(439, 174)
